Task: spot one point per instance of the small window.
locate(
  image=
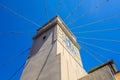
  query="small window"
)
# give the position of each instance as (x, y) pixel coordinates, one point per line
(44, 37)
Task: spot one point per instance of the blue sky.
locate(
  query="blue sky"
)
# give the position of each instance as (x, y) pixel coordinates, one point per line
(100, 18)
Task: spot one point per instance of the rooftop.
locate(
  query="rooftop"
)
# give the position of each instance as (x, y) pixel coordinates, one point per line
(111, 63)
(54, 21)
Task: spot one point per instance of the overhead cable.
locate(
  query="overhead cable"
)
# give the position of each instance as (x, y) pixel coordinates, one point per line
(15, 73)
(45, 62)
(58, 7)
(14, 57)
(91, 54)
(98, 54)
(25, 64)
(19, 15)
(98, 21)
(108, 40)
(88, 12)
(102, 48)
(16, 32)
(45, 7)
(90, 31)
(74, 9)
(94, 52)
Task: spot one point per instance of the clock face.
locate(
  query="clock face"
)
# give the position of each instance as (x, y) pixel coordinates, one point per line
(68, 43)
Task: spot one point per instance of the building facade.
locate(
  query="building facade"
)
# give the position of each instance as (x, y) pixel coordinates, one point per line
(55, 56)
(117, 75)
(105, 71)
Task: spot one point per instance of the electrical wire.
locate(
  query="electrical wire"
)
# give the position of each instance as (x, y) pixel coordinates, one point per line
(59, 5)
(21, 65)
(99, 54)
(14, 57)
(74, 9)
(90, 31)
(16, 32)
(18, 55)
(19, 15)
(45, 7)
(100, 39)
(11, 77)
(110, 29)
(101, 20)
(91, 54)
(88, 12)
(105, 49)
(45, 62)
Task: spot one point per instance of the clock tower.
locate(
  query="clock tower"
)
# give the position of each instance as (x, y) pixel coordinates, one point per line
(54, 54)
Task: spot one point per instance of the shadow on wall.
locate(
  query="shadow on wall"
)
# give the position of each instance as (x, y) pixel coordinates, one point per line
(44, 40)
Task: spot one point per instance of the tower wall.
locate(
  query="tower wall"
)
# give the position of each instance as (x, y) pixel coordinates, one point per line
(54, 55)
(71, 64)
(43, 62)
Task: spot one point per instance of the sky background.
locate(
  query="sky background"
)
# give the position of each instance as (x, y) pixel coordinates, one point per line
(93, 52)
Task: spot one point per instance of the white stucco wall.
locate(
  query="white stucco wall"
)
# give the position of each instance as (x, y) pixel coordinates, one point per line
(104, 73)
(43, 58)
(50, 59)
(71, 68)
